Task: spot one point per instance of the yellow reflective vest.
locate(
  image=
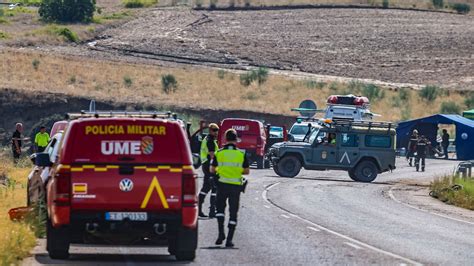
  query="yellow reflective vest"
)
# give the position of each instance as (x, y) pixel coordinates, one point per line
(205, 151)
(230, 167)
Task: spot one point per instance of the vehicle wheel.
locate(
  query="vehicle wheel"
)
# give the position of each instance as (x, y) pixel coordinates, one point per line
(366, 171)
(186, 256)
(172, 246)
(289, 166)
(275, 169)
(352, 175)
(57, 241)
(186, 244)
(260, 162)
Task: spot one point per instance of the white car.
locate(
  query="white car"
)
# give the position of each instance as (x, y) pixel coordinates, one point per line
(299, 130)
(38, 177)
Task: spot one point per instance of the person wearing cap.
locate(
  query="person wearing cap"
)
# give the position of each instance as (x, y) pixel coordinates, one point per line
(208, 147)
(411, 149)
(41, 139)
(16, 142)
(230, 164)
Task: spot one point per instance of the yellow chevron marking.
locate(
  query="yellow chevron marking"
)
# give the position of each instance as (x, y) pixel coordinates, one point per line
(88, 166)
(151, 169)
(76, 169)
(112, 167)
(140, 167)
(164, 167)
(100, 169)
(155, 185)
(176, 170)
(187, 167)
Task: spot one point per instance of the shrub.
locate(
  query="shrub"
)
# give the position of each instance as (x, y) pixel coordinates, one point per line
(404, 94)
(213, 4)
(169, 83)
(372, 92)
(430, 93)
(2, 12)
(385, 3)
(247, 3)
(461, 8)
(221, 73)
(72, 79)
(30, 2)
(139, 3)
(198, 3)
(68, 34)
(469, 101)
(35, 64)
(311, 84)
(438, 3)
(261, 75)
(450, 108)
(67, 10)
(355, 86)
(3, 35)
(127, 81)
(246, 79)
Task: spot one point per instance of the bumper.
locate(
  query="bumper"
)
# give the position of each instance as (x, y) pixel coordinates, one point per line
(92, 227)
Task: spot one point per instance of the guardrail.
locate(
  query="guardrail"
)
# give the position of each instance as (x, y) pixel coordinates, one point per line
(464, 169)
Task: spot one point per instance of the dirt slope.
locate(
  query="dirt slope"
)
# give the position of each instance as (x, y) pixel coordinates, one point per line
(388, 45)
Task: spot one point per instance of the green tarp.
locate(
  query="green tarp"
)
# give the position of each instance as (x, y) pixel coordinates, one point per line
(469, 114)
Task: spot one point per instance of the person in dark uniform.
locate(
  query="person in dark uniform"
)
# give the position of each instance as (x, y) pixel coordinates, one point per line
(208, 147)
(421, 150)
(445, 143)
(16, 142)
(411, 149)
(230, 164)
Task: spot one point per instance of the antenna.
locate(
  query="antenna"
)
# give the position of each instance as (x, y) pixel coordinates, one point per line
(92, 106)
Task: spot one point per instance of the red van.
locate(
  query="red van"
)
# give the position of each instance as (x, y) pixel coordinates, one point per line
(58, 126)
(122, 181)
(252, 137)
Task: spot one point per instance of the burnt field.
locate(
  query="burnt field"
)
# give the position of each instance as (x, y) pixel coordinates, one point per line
(388, 45)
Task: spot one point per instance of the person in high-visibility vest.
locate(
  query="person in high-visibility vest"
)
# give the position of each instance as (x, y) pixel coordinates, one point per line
(41, 139)
(230, 164)
(208, 147)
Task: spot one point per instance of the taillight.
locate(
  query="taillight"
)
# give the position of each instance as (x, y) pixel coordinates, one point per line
(63, 187)
(189, 189)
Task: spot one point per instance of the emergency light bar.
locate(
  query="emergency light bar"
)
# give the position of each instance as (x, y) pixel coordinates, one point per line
(348, 100)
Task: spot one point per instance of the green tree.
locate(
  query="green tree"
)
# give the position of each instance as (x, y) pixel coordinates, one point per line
(67, 10)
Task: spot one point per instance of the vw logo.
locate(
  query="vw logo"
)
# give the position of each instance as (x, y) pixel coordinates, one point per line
(126, 185)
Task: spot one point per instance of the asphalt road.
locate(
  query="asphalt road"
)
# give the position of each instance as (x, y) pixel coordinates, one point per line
(319, 218)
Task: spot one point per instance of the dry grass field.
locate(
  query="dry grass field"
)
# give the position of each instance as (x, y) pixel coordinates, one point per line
(196, 87)
(16, 238)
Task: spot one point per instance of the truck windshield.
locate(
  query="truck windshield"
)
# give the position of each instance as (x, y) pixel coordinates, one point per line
(299, 130)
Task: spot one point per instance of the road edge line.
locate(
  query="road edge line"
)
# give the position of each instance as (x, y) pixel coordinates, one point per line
(392, 196)
(355, 241)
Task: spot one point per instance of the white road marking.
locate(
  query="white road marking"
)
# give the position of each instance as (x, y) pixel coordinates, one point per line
(314, 229)
(285, 216)
(353, 245)
(392, 196)
(320, 227)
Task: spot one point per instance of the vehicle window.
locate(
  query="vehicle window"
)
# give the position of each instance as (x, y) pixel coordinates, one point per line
(349, 140)
(299, 130)
(316, 135)
(378, 141)
(50, 148)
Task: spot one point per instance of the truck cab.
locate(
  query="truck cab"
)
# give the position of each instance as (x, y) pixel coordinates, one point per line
(364, 149)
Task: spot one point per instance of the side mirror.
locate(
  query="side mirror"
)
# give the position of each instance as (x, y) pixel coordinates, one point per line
(196, 160)
(42, 160)
(33, 158)
(290, 138)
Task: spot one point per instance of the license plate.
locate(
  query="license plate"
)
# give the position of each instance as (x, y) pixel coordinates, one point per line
(120, 216)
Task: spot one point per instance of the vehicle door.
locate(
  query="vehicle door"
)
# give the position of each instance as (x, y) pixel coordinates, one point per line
(324, 153)
(348, 152)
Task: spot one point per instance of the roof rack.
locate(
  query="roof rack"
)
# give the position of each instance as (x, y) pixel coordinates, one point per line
(134, 114)
(367, 124)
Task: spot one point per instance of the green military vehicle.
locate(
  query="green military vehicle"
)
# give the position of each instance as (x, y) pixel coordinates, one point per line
(362, 148)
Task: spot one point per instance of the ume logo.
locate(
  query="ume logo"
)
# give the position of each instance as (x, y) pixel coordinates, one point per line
(241, 128)
(127, 147)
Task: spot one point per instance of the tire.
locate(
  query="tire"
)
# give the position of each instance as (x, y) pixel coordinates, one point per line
(185, 244)
(275, 169)
(57, 241)
(260, 162)
(366, 171)
(352, 175)
(289, 166)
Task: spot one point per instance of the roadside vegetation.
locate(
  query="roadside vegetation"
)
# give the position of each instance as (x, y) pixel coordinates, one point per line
(454, 190)
(191, 87)
(55, 22)
(16, 238)
(462, 7)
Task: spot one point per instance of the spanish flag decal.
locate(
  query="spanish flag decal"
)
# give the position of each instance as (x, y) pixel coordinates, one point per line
(155, 185)
(79, 188)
